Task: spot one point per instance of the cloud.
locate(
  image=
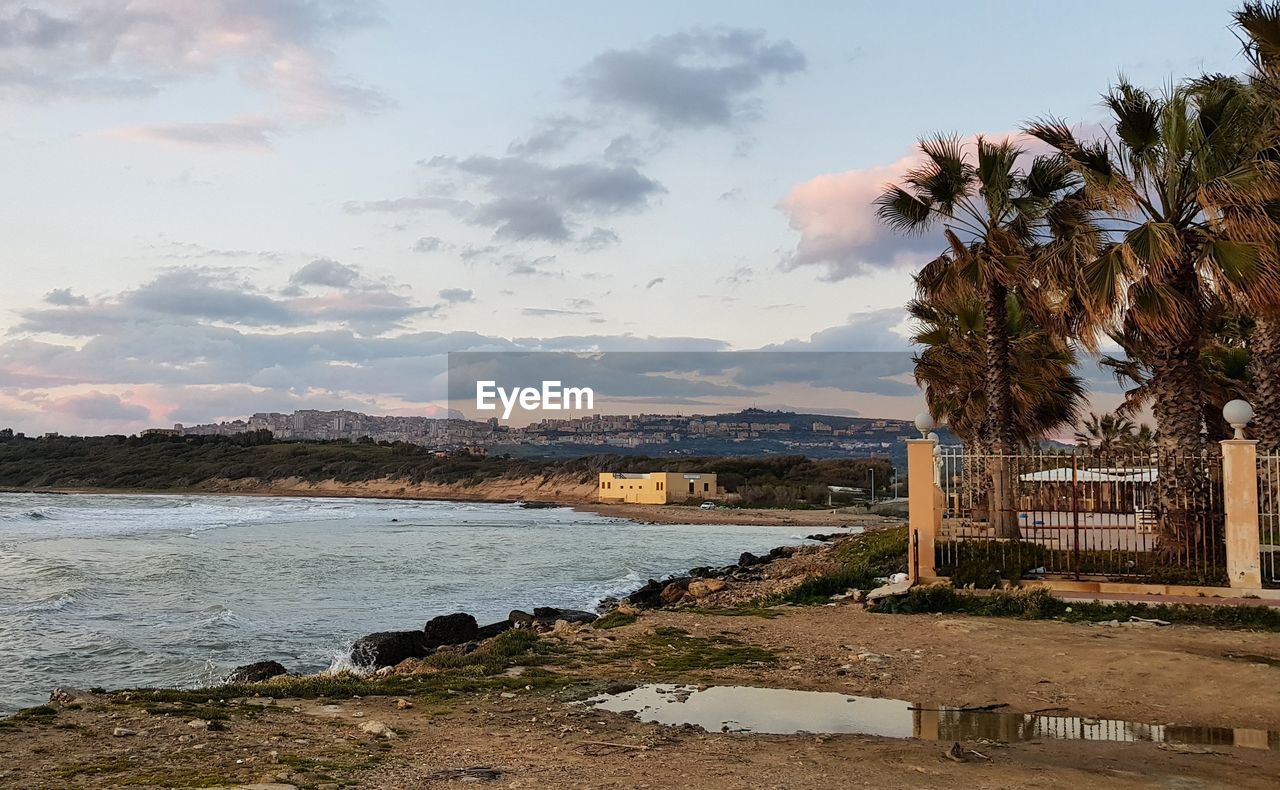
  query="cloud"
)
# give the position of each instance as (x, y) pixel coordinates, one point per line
(245, 134)
(521, 218)
(687, 80)
(701, 78)
(598, 239)
(836, 218)
(196, 294)
(407, 205)
(869, 331)
(551, 136)
(101, 406)
(543, 312)
(327, 272)
(430, 244)
(64, 297)
(108, 49)
(113, 49)
(457, 295)
(521, 199)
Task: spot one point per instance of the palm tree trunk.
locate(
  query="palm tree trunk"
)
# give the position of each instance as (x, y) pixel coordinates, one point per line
(1177, 393)
(999, 422)
(1264, 369)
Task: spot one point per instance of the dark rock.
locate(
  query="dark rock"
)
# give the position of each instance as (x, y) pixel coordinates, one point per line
(748, 559)
(450, 629)
(519, 619)
(539, 505)
(549, 614)
(781, 552)
(492, 630)
(647, 597)
(257, 672)
(388, 648)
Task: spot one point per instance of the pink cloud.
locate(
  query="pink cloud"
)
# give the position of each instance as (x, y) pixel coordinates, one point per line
(244, 134)
(835, 216)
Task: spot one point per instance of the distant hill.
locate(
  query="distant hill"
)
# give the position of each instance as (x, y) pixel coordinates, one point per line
(257, 463)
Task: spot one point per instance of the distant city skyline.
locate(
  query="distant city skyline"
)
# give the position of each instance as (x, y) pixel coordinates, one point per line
(219, 208)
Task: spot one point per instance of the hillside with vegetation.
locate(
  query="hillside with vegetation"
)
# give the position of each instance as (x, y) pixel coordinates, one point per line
(159, 463)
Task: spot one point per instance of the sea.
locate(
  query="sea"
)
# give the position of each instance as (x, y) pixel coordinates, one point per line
(122, 591)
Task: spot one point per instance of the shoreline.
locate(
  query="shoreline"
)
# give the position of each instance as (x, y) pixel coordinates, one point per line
(643, 514)
(512, 707)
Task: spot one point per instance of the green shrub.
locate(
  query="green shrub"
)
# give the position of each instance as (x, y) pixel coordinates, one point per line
(614, 619)
(1039, 603)
(865, 558)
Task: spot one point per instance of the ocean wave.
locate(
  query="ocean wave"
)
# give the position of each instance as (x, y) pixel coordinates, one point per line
(218, 616)
(49, 603)
(340, 662)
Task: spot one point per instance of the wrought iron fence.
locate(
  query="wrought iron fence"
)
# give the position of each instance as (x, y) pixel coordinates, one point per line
(1269, 517)
(1036, 513)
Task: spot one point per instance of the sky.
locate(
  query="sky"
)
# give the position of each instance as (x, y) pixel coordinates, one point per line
(219, 207)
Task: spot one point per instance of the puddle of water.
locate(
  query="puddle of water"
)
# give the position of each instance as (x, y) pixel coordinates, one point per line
(747, 709)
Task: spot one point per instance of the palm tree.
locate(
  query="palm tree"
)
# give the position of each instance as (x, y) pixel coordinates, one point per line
(1142, 442)
(1105, 433)
(1047, 393)
(1168, 253)
(1225, 360)
(1155, 177)
(1259, 24)
(991, 214)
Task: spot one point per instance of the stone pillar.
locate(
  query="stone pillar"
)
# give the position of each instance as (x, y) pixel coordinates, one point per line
(1240, 501)
(925, 511)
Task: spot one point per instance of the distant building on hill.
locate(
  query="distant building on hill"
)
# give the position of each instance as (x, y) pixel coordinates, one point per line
(656, 488)
(176, 431)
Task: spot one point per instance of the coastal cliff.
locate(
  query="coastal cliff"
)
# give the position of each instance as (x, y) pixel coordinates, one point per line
(563, 489)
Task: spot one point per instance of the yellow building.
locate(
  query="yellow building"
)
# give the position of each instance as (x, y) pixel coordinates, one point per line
(656, 488)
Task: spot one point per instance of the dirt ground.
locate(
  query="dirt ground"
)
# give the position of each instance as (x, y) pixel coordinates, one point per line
(538, 737)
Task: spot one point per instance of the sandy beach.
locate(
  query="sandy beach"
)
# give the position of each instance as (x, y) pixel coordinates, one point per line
(579, 497)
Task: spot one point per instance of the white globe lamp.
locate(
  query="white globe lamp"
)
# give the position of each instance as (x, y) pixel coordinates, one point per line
(1237, 413)
(924, 424)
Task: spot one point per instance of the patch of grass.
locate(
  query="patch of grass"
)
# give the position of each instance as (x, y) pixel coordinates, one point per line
(432, 687)
(38, 714)
(460, 673)
(94, 768)
(865, 558)
(674, 650)
(1040, 604)
(207, 712)
(614, 619)
(516, 647)
(983, 563)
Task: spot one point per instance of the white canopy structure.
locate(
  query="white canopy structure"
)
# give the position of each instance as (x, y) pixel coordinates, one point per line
(1066, 475)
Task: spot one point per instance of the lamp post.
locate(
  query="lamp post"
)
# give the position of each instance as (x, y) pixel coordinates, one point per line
(924, 424)
(1238, 413)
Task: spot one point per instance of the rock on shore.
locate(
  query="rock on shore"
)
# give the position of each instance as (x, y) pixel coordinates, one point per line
(257, 672)
(388, 648)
